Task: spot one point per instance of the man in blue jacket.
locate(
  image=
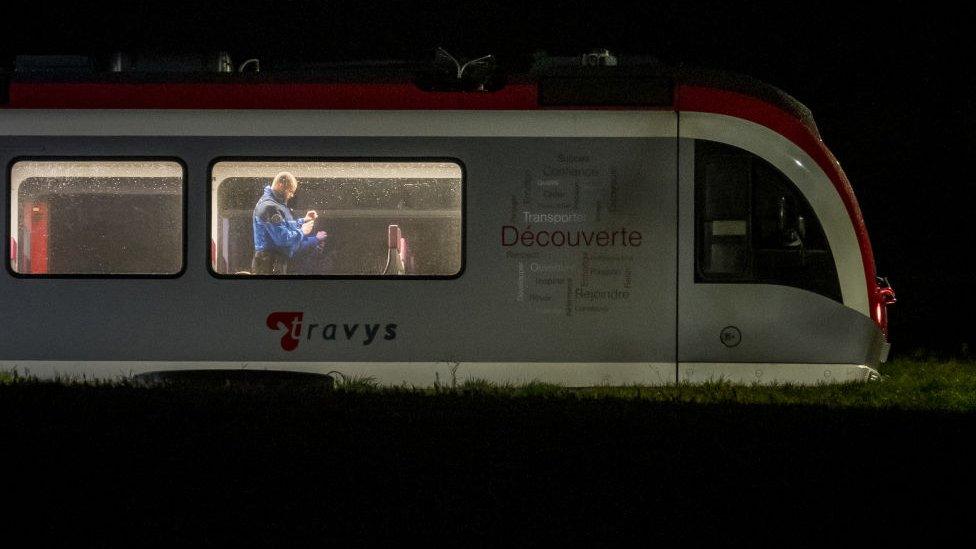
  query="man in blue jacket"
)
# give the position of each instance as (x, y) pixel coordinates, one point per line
(278, 236)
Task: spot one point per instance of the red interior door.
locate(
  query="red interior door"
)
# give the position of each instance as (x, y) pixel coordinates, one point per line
(37, 215)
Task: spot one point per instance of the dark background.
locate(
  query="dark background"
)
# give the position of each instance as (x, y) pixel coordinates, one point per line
(891, 92)
(890, 88)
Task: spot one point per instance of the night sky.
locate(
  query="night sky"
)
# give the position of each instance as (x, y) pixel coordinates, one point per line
(891, 91)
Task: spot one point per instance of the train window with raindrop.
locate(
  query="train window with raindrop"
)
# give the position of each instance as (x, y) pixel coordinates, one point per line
(336, 218)
(96, 218)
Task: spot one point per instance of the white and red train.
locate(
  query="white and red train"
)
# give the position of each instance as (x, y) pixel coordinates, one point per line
(584, 226)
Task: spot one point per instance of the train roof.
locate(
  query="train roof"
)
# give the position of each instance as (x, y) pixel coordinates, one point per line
(69, 82)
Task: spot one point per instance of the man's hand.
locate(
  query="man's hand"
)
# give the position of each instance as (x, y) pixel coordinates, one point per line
(311, 215)
(307, 227)
(321, 235)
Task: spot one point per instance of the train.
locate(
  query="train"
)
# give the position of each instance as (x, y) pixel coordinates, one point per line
(589, 222)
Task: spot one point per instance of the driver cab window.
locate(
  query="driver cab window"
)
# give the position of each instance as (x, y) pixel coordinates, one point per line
(753, 225)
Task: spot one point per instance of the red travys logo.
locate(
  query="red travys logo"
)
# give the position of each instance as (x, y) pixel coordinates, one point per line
(292, 324)
(365, 333)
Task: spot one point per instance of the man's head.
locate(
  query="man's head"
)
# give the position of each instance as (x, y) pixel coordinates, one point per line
(284, 185)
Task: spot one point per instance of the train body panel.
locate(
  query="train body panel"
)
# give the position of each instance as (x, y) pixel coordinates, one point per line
(744, 319)
(577, 257)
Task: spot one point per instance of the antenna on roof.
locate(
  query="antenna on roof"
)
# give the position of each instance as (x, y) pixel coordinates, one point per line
(449, 73)
(253, 61)
(442, 54)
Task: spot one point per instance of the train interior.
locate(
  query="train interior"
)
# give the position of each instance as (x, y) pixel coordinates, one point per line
(380, 220)
(98, 225)
(127, 217)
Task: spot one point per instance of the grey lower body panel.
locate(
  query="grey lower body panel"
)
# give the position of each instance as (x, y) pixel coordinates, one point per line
(428, 374)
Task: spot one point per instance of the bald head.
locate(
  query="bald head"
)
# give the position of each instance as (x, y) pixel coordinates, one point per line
(284, 185)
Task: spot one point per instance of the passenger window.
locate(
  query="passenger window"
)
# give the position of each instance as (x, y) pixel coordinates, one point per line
(96, 217)
(336, 218)
(753, 225)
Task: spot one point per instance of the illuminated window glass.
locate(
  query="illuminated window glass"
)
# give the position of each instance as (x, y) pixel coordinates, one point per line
(338, 218)
(98, 217)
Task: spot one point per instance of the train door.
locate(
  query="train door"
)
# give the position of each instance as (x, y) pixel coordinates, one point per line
(758, 287)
